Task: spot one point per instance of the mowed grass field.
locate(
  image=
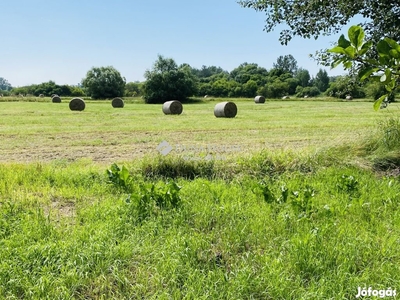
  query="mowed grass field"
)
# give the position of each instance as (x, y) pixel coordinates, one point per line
(302, 203)
(44, 131)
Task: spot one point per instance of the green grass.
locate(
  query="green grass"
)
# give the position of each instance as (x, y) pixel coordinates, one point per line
(307, 209)
(42, 131)
(68, 234)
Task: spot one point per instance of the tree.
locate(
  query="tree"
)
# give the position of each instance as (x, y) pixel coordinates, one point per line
(133, 89)
(4, 85)
(313, 18)
(353, 54)
(321, 80)
(166, 81)
(287, 63)
(104, 82)
(303, 76)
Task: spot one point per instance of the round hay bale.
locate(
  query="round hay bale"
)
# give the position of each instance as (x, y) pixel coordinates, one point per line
(173, 107)
(306, 96)
(117, 103)
(348, 97)
(225, 110)
(285, 97)
(53, 95)
(41, 95)
(56, 99)
(77, 104)
(259, 99)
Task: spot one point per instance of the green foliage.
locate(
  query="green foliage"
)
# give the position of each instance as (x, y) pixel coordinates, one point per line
(345, 85)
(321, 80)
(286, 63)
(353, 54)
(47, 89)
(103, 83)
(375, 90)
(166, 81)
(303, 76)
(348, 184)
(65, 234)
(5, 85)
(120, 177)
(153, 199)
(390, 130)
(133, 89)
(310, 91)
(311, 19)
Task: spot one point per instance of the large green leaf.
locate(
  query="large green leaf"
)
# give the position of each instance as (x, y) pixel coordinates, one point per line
(337, 49)
(392, 43)
(383, 48)
(356, 35)
(366, 72)
(350, 51)
(365, 47)
(377, 103)
(343, 42)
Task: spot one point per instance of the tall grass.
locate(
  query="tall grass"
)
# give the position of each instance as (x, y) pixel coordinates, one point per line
(270, 227)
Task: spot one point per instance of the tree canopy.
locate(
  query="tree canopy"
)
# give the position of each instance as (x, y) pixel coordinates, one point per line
(314, 18)
(4, 84)
(166, 81)
(104, 82)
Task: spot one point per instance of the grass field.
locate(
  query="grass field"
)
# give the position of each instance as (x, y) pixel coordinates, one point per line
(32, 131)
(307, 206)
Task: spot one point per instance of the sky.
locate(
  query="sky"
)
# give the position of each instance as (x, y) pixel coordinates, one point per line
(61, 40)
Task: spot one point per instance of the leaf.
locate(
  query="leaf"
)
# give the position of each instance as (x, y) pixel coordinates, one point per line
(343, 42)
(356, 35)
(350, 51)
(337, 49)
(383, 48)
(387, 77)
(392, 43)
(365, 47)
(377, 103)
(366, 72)
(337, 62)
(394, 53)
(347, 64)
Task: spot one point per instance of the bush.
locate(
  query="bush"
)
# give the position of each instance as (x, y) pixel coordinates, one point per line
(311, 91)
(375, 90)
(345, 85)
(166, 81)
(104, 82)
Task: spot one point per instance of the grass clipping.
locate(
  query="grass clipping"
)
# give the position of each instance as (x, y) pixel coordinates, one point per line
(225, 110)
(117, 103)
(173, 107)
(77, 104)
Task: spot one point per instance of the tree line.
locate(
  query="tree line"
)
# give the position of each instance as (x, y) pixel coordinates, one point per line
(167, 80)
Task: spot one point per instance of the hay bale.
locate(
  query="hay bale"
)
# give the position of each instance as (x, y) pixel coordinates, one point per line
(259, 99)
(56, 99)
(53, 95)
(117, 103)
(225, 110)
(77, 104)
(306, 96)
(41, 95)
(348, 97)
(173, 107)
(285, 97)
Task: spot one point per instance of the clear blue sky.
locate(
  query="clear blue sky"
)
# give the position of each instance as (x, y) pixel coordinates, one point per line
(61, 40)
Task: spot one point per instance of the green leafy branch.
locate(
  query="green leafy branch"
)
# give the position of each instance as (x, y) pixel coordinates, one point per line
(353, 52)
